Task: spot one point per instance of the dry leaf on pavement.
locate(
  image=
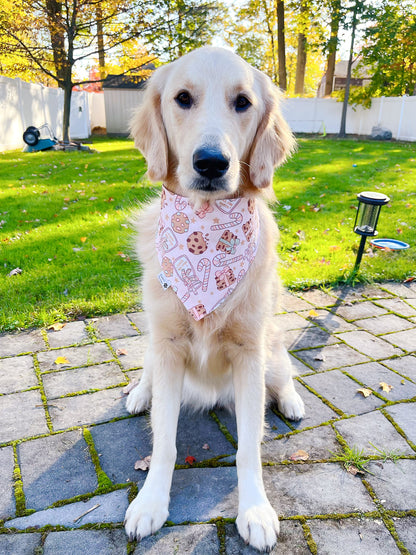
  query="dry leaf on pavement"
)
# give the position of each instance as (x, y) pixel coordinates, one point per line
(386, 387)
(143, 464)
(364, 391)
(300, 455)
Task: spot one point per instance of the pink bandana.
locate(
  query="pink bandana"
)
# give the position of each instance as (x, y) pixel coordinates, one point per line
(204, 254)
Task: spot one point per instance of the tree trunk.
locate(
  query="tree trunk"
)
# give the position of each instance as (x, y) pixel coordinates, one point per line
(332, 47)
(300, 65)
(57, 34)
(67, 111)
(281, 47)
(342, 132)
(100, 40)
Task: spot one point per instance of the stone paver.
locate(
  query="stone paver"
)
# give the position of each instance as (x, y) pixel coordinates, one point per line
(356, 336)
(87, 409)
(342, 392)
(134, 349)
(110, 441)
(22, 544)
(405, 365)
(405, 416)
(291, 541)
(7, 502)
(383, 324)
(86, 541)
(111, 508)
(76, 356)
(117, 325)
(308, 489)
(67, 471)
(70, 334)
(17, 343)
(373, 431)
(398, 306)
(368, 344)
(392, 489)
(406, 340)
(373, 374)
(21, 415)
(82, 379)
(195, 540)
(406, 529)
(16, 374)
(353, 535)
(332, 356)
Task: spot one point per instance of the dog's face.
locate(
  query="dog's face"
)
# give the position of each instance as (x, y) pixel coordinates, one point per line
(210, 125)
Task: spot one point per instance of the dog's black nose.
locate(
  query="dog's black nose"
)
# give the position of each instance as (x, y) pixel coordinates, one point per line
(210, 162)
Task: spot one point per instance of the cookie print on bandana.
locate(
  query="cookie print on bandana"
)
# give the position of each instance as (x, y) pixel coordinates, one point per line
(196, 243)
(205, 253)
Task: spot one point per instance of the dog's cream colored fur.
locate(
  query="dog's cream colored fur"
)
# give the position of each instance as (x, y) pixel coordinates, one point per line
(234, 355)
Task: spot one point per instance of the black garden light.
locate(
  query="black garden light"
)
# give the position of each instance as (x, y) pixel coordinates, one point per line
(369, 206)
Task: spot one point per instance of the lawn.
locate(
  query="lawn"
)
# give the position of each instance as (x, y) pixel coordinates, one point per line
(63, 223)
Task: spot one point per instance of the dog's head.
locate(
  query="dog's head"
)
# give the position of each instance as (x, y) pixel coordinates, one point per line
(210, 125)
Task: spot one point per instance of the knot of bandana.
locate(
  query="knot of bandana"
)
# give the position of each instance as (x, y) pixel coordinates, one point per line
(205, 253)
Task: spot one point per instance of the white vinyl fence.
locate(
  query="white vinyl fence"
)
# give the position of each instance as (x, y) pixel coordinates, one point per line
(23, 104)
(323, 115)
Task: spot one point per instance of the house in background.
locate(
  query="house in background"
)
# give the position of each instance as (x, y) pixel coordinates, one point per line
(122, 96)
(359, 78)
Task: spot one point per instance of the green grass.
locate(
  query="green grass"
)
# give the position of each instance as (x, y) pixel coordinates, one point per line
(63, 223)
(317, 192)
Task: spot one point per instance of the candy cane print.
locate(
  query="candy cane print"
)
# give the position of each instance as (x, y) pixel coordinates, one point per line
(240, 276)
(236, 216)
(205, 264)
(219, 260)
(180, 203)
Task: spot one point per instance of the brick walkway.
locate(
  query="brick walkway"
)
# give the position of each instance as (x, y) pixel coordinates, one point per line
(67, 444)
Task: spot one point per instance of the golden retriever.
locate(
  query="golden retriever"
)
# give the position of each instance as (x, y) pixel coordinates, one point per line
(211, 130)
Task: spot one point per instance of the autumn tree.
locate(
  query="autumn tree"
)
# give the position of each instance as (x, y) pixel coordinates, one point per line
(389, 51)
(335, 11)
(56, 35)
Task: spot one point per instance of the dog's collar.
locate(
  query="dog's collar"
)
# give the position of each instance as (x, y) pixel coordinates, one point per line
(205, 253)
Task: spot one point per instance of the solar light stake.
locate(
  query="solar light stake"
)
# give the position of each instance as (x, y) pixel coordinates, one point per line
(369, 206)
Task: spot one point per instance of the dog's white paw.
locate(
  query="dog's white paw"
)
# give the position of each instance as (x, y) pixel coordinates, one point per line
(138, 400)
(145, 515)
(290, 404)
(259, 526)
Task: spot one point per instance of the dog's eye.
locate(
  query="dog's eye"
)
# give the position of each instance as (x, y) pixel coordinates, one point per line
(242, 103)
(184, 100)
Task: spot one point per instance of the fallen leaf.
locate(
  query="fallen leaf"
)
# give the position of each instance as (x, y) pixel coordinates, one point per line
(57, 326)
(143, 464)
(300, 455)
(364, 391)
(319, 357)
(334, 248)
(205, 447)
(312, 313)
(386, 387)
(120, 352)
(15, 272)
(130, 386)
(83, 239)
(399, 231)
(354, 470)
(410, 279)
(62, 360)
(190, 460)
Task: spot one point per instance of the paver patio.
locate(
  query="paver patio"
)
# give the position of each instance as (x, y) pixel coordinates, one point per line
(68, 446)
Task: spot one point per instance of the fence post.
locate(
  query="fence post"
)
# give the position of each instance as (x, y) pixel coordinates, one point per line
(401, 118)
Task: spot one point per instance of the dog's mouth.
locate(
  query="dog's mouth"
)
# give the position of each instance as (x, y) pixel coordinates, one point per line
(210, 186)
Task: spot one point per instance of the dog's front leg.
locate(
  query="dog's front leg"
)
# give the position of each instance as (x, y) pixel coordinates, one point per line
(149, 511)
(257, 521)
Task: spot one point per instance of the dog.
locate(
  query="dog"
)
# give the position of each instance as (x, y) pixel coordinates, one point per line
(211, 130)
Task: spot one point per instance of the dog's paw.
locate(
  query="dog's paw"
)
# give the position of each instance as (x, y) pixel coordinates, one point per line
(258, 526)
(145, 515)
(138, 400)
(290, 404)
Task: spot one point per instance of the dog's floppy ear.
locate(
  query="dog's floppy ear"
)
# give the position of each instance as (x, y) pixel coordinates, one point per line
(273, 141)
(148, 130)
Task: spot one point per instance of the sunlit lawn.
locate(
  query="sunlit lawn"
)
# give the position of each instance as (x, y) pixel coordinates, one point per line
(63, 223)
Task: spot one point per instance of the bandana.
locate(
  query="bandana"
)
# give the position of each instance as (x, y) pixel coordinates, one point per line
(205, 253)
